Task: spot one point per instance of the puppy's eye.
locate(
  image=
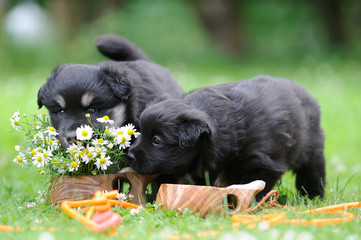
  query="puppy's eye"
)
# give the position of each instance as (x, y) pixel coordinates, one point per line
(61, 112)
(91, 110)
(156, 141)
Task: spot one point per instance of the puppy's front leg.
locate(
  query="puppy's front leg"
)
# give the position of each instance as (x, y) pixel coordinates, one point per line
(311, 178)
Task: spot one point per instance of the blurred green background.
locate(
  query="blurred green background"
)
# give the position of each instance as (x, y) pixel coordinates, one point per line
(203, 42)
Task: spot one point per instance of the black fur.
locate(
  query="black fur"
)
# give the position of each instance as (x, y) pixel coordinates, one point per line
(118, 48)
(238, 132)
(120, 90)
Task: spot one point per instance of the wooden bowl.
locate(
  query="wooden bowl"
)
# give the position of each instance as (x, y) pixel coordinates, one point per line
(84, 187)
(208, 200)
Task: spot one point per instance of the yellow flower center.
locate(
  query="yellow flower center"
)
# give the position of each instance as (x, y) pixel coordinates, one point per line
(89, 155)
(84, 133)
(20, 159)
(73, 152)
(106, 118)
(106, 131)
(124, 139)
(35, 124)
(42, 172)
(102, 160)
(45, 154)
(52, 129)
(16, 123)
(100, 140)
(85, 150)
(50, 141)
(43, 115)
(98, 150)
(130, 132)
(120, 133)
(39, 170)
(39, 159)
(33, 152)
(87, 115)
(74, 164)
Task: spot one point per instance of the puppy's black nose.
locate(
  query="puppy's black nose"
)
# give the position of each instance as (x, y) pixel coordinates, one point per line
(131, 156)
(71, 139)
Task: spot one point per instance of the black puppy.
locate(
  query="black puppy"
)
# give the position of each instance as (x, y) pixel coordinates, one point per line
(119, 89)
(238, 132)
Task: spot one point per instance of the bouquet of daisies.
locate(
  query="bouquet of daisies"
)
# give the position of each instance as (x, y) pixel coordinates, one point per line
(96, 151)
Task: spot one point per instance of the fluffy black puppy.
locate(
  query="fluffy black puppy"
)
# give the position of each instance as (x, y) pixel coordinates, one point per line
(119, 89)
(238, 132)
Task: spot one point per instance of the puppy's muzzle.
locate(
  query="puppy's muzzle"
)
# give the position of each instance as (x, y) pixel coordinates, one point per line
(67, 140)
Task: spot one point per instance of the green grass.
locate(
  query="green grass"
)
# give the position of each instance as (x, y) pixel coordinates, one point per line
(333, 82)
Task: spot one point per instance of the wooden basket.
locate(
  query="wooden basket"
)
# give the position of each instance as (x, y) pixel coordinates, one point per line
(84, 187)
(208, 200)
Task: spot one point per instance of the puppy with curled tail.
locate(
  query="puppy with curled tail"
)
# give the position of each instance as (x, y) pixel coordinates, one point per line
(237, 132)
(120, 89)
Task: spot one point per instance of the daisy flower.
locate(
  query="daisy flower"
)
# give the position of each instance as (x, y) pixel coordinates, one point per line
(51, 131)
(117, 131)
(36, 125)
(74, 150)
(106, 131)
(105, 119)
(123, 141)
(15, 121)
(39, 159)
(121, 196)
(134, 211)
(53, 144)
(17, 148)
(87, 154)
(129, 129)
(100, 142)
(100, 150)
(103, 162)
(74, 165)
(47, 155)
(84, 132)
(59, 165)
(20, 159)
(39, 138)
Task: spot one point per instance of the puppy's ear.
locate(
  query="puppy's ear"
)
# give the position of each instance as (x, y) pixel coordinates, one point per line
(119, 83)
(42, 90)
(40, 94)
(199, 133)
(190, 132)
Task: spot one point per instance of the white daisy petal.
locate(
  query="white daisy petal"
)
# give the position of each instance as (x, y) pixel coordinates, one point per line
(73, 166)
(102, 162)
(84, 132)
(105, 119)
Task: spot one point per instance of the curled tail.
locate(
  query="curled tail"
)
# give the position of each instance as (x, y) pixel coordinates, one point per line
(118, 48)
